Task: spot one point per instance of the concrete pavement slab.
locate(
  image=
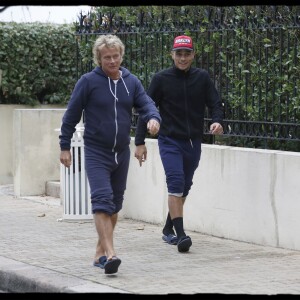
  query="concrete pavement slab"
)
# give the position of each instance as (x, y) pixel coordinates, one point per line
(41, 253)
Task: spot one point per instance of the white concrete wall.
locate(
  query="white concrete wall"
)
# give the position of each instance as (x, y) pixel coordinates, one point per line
(7, 139)
(6, 153)
(146, 194)
(286, 199)
(250, 195)
(36, 149)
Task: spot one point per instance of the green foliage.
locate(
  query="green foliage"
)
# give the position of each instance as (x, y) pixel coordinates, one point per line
(251, 53)
(37, 63)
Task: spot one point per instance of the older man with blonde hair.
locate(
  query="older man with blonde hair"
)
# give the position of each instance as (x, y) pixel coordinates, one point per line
(107, 95)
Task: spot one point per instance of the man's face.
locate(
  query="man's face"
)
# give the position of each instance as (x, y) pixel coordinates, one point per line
(110, 61)
(183, 58)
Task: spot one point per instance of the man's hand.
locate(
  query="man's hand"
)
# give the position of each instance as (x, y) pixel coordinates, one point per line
(141, 153)
(66, 158)
(216, 128)
(153, 127)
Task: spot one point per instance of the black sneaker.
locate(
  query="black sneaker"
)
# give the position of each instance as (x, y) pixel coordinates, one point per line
(184, 244)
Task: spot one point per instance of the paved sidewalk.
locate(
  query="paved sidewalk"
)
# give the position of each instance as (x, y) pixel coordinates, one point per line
(41, 253)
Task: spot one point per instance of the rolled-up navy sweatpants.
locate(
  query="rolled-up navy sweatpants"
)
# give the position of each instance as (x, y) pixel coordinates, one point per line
(180, 159)
(107, 175)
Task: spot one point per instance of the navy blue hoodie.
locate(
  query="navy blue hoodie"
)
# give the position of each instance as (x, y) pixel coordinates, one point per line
(107, 109)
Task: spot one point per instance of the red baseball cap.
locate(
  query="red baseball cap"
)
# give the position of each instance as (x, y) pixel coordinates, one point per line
(183, 42)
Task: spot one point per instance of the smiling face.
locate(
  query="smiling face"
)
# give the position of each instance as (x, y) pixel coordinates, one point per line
(183, 58)
(110, 60)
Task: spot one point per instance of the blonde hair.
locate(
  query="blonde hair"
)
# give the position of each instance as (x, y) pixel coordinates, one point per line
(109, 41)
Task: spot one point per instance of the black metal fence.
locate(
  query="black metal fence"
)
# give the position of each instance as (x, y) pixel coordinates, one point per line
(254, 65)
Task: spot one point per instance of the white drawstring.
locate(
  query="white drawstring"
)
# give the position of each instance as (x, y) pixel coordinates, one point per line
(125, 85)
(191, 143)
(115, 95)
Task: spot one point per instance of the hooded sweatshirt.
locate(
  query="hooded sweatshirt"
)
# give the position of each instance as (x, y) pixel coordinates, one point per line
(108, 108)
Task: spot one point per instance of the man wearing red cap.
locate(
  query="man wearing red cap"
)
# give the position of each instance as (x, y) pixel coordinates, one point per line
(182, 94)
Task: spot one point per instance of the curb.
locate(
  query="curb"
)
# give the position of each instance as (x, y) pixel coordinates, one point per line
(18, 277)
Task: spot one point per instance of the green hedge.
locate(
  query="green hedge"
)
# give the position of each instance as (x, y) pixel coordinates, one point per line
(37, 63)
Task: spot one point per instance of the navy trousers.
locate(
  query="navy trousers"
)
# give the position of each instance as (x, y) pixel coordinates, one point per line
(180, 159)
(107, 175)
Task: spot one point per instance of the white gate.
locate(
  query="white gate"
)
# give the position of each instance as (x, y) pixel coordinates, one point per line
(74, 183)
